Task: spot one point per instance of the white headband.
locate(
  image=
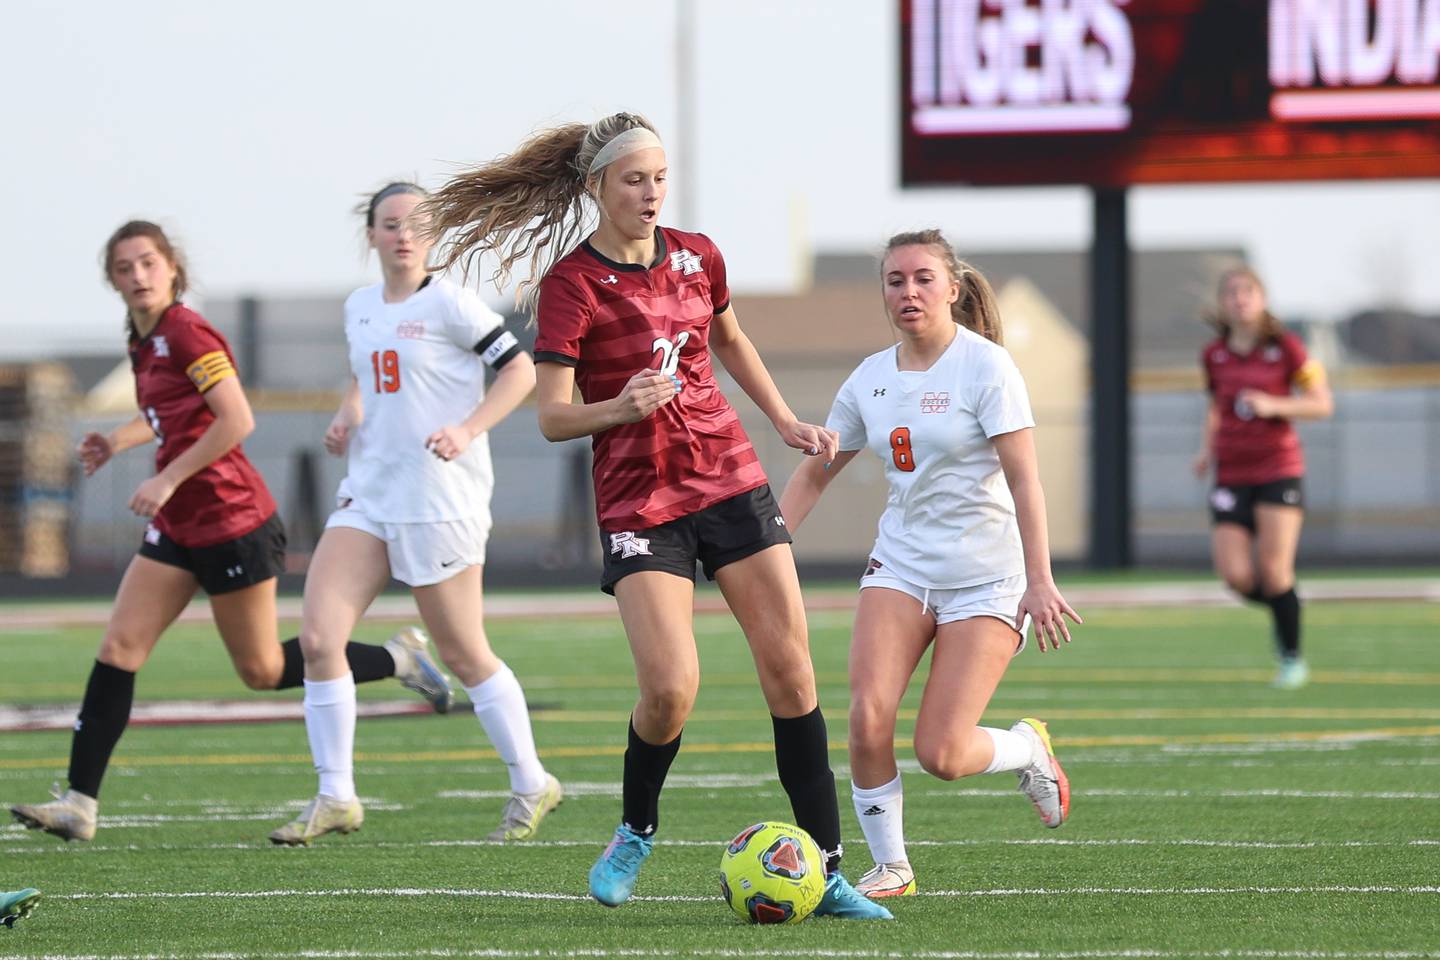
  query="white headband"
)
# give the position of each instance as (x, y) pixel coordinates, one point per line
(636, 138)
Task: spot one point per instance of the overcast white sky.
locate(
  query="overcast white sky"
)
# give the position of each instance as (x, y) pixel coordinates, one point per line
(250, 128)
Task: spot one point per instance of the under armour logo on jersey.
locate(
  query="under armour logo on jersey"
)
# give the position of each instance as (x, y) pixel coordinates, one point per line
(628, 545)
(935, 402)
(873, 811)
(610, 279)
(685, 260)
(879, 392)
(364, 320)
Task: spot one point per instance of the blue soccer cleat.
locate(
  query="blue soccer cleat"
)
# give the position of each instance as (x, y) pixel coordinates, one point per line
(17, 905)
(845, 902)
(612, 879)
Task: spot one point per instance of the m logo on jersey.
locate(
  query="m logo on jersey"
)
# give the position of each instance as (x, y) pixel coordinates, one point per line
(935, 402)
(683, 259)
(628, 545)
(410, 330)
(162, 347)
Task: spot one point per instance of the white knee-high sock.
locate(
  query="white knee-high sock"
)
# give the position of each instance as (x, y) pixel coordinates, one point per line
(500, 706)
(881, 812)
(1013, 751)
(330, 723)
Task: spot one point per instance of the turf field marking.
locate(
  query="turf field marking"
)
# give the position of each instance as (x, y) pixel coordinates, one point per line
(858, 842)
(779, 954)
(616, 750)
(585, 898)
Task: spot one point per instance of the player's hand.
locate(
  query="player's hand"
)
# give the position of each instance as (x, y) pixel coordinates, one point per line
(811, 440)
(337, 437)
(447, 443)
(644, 393)
(1201, 464)
(94, 451)
(1047, 610)
(1260, 403)
(151, 495)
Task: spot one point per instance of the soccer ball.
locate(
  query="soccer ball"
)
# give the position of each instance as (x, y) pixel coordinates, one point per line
(772, 873)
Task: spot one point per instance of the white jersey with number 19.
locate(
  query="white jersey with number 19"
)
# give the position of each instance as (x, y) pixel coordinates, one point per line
(420, 365)
(949, 521)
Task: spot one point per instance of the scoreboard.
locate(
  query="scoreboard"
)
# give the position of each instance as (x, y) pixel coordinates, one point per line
(1117, 92)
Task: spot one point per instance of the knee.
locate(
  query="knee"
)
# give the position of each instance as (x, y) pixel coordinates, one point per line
(1241, 583)
(1275, 581)
(944, 758)
(667, 706)
(124, 649)
(872, 723)
(258, 675)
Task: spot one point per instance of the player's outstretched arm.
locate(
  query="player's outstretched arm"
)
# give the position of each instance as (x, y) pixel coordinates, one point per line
(512, 385)
(806, 484)
(96, 449)
(742, 361)
(1042, 599)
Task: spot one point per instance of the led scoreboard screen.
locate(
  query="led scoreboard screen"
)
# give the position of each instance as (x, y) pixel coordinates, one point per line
(1114, 92)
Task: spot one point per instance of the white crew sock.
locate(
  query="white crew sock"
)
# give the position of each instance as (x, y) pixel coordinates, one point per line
(1013, 751)
(500, 706)
(881, 812)
(330, 723)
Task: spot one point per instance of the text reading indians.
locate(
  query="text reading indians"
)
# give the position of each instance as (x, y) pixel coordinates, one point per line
(1354, 59)
(1013, 66)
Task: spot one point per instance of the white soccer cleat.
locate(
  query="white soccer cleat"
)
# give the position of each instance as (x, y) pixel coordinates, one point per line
(416, 670)
(524, 811)
(1043, 781)
(70, 815)
(1292, 675)
(321, 816)
(895, 879)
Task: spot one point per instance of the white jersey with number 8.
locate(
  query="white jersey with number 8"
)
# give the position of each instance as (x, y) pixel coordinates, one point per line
(420, 365)
(949, 521)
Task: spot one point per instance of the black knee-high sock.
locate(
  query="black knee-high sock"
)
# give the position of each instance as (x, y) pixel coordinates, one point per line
(802, 758)
(1285, 607)
(368, 662)
(103, 715)
(645, 767)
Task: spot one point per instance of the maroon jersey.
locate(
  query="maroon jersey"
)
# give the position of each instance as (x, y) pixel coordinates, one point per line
(181, 359)
(1251, 450)
(610, 321)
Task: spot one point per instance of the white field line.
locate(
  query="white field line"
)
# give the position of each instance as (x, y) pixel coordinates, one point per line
(585, 898)
(55, 848)
(580, 789)
(502, 605)
(623, 953)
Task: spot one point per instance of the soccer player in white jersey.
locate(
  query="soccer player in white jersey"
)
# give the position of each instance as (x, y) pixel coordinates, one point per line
(962, 559)
(415, 505)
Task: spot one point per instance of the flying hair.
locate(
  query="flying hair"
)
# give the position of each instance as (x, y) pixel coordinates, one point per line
(535, 203)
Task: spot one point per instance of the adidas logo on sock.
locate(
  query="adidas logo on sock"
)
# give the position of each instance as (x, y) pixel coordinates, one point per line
(874, 811)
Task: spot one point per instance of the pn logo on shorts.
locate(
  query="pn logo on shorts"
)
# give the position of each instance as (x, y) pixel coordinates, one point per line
(628, 545)
(1222, 499)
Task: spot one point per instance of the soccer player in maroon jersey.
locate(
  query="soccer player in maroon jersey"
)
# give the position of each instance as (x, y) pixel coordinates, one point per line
(631, 316)
(1259, 379)
(212, 525)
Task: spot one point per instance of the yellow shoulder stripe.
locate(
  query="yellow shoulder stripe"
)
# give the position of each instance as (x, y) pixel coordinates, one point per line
(210, 370)
(1310, 374)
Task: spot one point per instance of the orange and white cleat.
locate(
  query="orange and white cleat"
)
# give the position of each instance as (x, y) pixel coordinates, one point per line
(888, 880)
(1043, 781)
